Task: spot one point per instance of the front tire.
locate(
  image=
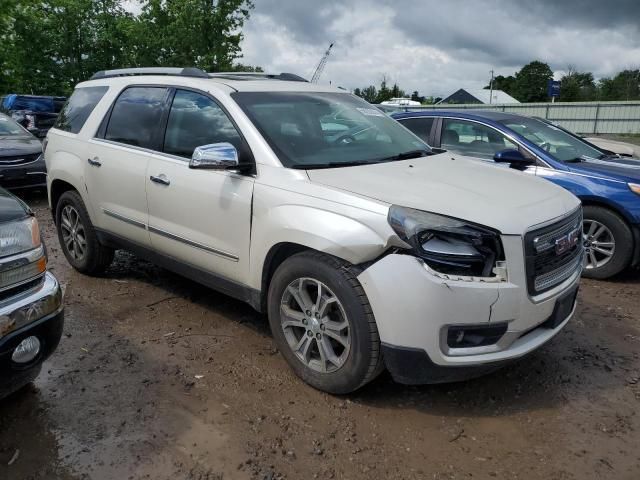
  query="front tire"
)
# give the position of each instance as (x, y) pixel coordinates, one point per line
(322, 323)
(78, 238)
(608, 243)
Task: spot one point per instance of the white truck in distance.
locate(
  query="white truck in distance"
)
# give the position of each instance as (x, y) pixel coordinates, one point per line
(365, 248)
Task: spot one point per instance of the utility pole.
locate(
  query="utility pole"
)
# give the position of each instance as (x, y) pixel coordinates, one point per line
(491, 89)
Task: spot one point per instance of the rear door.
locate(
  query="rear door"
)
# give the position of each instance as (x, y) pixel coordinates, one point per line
(117, 165)
(200, 217)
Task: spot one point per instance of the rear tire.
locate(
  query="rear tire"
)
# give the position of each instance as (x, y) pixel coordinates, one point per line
(78, 238)
(608, 243)
(339, 347)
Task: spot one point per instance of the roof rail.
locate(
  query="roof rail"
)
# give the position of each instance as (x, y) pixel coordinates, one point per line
(291, 77)
(125, 72)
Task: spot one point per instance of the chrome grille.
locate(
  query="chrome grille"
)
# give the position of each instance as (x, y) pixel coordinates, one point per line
(11, 161)
(555, 277)
(554, 253)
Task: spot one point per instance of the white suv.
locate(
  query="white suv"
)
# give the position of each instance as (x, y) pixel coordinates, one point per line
(364, 247)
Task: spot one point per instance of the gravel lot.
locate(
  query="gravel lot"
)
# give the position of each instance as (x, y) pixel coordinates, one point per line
(160, 378)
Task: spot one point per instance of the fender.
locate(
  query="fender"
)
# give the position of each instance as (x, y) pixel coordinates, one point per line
(65, 166)
(315, 228)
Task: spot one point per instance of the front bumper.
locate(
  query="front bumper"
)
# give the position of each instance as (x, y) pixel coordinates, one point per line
(37, 312)
(415, 308)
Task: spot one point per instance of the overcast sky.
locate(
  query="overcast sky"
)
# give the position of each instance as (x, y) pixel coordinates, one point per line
(438, 46)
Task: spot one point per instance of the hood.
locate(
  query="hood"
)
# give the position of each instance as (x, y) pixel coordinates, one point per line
(622, 169)
(26, 145)
(11, 208)
(452, 185)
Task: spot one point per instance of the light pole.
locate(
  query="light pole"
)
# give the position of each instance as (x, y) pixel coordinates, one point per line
(491, 89)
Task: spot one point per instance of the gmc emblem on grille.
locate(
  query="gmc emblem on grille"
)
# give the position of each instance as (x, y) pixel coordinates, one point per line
(567, 242)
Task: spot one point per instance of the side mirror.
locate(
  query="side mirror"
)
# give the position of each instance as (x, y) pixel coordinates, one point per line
(215, 156)
(513, 157)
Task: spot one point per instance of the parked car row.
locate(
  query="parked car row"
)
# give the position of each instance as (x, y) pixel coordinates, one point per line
(368, 245)
(36, 113)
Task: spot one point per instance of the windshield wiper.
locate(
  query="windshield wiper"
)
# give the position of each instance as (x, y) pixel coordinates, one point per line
(315, 166)
(400, 156)
(575, 160)
(407, 155)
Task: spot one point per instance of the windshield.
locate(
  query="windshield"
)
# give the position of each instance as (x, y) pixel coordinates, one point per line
(561, 145)
(326, 130)
(8, 127)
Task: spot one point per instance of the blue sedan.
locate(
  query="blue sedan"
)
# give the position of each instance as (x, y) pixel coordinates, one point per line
(608, 185)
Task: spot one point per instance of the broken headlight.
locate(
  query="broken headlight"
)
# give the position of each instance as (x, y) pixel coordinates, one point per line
(448, 245)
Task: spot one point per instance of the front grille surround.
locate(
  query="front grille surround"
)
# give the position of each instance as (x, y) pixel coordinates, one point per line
(546, 265)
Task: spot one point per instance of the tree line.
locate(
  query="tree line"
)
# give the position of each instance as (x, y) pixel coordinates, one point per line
(378, 95)
(46, 47)
(529, 84)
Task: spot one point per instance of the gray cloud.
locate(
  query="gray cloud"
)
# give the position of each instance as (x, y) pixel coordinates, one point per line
(437, 46)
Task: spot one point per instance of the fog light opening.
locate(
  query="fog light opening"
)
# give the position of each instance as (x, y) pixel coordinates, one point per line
(469, 336)
(26, 351)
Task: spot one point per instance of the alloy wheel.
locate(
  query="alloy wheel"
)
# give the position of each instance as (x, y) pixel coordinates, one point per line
(599, 244)
(315, 325)
(73, 233)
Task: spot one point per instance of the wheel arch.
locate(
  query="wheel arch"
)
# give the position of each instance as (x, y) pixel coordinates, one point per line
(58, 187)
(608, 204)
(275, 257)
(291, 229)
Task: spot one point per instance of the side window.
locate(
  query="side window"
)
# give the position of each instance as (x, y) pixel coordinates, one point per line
(473, 139)
(196, 120)
(420, 126)
(78, 108)
(135, 116)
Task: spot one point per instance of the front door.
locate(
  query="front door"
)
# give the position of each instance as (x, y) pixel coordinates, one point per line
(476, 140)
(200, 217)
(117, 163)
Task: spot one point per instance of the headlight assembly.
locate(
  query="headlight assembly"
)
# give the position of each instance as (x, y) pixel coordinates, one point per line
(635, 187)
(448, 245)
(22, 255)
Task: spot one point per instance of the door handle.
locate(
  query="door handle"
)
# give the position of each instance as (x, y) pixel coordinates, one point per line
(161, 179)
(94, 162)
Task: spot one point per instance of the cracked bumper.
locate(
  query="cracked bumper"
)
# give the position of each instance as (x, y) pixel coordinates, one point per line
(414, 309)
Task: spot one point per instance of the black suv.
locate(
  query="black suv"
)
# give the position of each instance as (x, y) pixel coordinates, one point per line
(31, 309)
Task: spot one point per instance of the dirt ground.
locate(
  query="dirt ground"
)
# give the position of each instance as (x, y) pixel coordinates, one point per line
(160, 378)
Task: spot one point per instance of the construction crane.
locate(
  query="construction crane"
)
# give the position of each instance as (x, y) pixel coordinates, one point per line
(321, 65)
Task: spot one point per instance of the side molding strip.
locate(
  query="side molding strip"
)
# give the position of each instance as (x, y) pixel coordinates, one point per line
(191, 243)
(122, 218)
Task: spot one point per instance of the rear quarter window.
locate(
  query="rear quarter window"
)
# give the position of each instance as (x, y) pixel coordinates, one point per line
(136, 115)
(75, 112)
